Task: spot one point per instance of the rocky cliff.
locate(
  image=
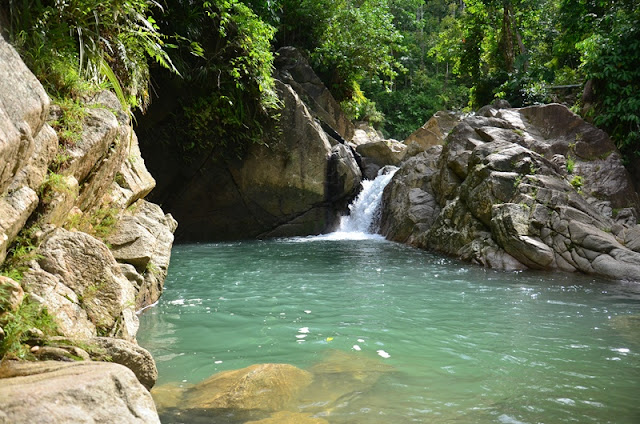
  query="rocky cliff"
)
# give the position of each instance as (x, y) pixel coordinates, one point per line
(295, 184)
(536, 187)
(81, 252)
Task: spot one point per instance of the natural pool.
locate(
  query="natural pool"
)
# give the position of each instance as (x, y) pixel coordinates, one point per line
(453, 342)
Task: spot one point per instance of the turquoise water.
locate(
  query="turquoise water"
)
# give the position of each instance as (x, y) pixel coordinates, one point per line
(460, 343)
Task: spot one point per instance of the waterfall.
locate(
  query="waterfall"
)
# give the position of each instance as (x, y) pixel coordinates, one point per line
(364, 209)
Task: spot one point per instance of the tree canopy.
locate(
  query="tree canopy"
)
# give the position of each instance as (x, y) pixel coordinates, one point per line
(392, 62)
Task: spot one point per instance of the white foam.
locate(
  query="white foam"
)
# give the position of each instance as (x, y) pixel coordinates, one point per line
(383, 354)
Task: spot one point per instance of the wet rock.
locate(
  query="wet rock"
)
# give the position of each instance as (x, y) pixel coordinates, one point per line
(340, 378)
(169, 396)
(344, 174)
(269, 387)
(416, 207)
(57, 392)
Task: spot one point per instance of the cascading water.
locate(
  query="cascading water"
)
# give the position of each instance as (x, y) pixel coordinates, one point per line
(362, 211)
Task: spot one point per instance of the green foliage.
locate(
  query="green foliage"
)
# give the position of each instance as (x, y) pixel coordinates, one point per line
(358, 42)
(99, 223)
(69, 120)
(226, 97)
(610, 58)
(577, 182)
(20, 253)
(75, 46)
(571, 164)
(54, 183)
(29, 315)
(408, 107)
(359, 108)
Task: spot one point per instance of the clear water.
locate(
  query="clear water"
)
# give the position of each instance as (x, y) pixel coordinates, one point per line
(463, 344)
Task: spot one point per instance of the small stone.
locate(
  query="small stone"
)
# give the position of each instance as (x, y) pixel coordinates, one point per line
(35, 348)
(35, 333)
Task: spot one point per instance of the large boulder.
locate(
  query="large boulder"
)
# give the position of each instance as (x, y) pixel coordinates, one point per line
(432, 133)
(381, 153)
(276, 190)
(293, 69)
(24, 107)
(508, 198)
(344, 174)
(267, 387)
(27, 143)
(81, 392)
(411, 204)
(77, 278)
(129, 354)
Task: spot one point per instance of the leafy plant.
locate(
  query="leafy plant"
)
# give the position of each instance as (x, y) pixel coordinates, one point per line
(20, 323)
(54, 183)
(20, 253)
(571, 164)
(74, 46)
(610, 57)
(69, 119)
(99, 223)
(577, 182)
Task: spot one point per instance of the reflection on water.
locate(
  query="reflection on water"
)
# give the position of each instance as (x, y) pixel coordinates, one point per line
(395, 335)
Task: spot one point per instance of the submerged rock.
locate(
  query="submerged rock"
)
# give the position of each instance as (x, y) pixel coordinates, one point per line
(268, 387)
(339, 379)
(286, 417)
(502, 194)
(57, 392)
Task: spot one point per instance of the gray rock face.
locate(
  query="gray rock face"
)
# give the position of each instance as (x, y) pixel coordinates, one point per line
(277, 190)
(133, 181)
(383, 152)
(294, 69)
(432, 133)
(143, 238)
(81, 392)
(507, 199)
(26, 143)
(105, 143)
(344, 174)
(24, 106)
(411, 204)
(81, 284)
(130, 355)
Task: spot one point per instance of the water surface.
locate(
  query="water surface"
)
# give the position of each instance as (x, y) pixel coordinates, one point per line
(461, 343)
